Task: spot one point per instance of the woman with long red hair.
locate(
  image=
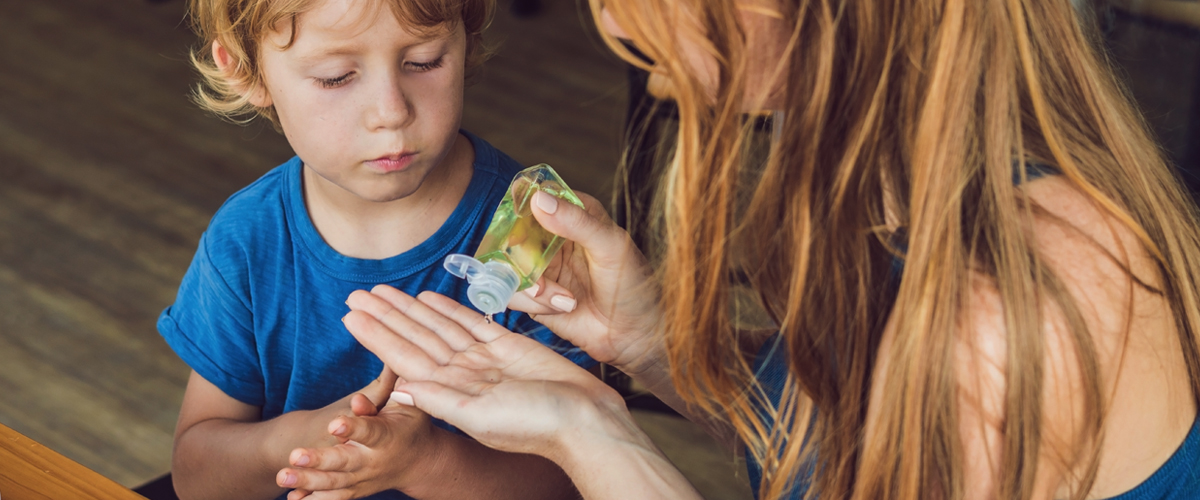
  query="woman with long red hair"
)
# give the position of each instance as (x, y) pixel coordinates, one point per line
(980, 273)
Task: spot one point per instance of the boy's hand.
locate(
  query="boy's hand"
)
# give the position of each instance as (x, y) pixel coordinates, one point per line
(379, 450)
(316, 433)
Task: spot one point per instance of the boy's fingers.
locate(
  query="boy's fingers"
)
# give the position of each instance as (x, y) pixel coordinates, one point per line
(341, 458)
(405, 358)
(372, 432)
(398, 319)
(363, 406)
(344, 494)
(376, 392)
(387, 377)
(298, 494)
(314, 480)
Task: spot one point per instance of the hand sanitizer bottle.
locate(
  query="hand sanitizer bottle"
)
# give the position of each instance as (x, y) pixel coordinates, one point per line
(516, 249)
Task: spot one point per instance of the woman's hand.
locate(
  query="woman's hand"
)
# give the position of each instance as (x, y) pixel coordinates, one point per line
(598, 293)
(512, 393)
(504, 389)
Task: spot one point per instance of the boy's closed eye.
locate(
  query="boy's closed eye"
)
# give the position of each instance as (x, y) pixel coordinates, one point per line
(421, 67)
(412, 66)
(330, 83)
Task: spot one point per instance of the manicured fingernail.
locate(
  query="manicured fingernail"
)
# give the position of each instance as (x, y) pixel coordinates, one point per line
(563, 303)
(533, 290)
(403, 398)
(302, 461)
(289, 480)
(545, 201)
(341, 430)
(344, 318)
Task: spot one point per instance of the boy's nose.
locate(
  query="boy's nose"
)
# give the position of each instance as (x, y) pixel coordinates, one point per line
(389, 107)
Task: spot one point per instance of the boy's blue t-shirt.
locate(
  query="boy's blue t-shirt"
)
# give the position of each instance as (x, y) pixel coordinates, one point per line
(258, 313)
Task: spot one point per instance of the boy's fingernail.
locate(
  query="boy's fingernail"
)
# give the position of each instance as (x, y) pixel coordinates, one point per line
(341, 430)
(533, 290)
(563, 303)
(302, 461)
(545, 201)
(403, 398)
(289, 480)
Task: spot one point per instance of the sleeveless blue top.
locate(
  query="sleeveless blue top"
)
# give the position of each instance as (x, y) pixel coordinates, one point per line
(1177, 479)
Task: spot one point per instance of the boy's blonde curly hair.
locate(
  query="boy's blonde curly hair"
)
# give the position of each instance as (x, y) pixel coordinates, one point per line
(241, 25)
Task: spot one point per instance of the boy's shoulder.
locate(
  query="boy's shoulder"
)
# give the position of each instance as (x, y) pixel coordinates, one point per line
(259, 208)
(490, 160)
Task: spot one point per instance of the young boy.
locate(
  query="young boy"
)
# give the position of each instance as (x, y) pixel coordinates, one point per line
(369, 94)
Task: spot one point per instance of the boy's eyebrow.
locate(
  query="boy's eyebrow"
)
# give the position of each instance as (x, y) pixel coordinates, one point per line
(337, 50)
(349, 49)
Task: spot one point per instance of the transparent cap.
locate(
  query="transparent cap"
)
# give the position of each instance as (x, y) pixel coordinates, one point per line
(492, 284)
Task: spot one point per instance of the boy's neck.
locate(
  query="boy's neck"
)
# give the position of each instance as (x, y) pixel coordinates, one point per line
(378, 230)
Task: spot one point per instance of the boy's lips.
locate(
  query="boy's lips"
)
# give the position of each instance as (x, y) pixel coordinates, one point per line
(392, 162)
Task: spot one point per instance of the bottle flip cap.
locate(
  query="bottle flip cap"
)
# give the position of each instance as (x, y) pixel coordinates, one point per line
(492, 284)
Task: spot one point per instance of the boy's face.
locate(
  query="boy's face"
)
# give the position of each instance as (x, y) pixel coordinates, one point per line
(367, 105)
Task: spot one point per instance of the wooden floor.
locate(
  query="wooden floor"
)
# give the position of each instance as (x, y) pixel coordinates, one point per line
(108, 176)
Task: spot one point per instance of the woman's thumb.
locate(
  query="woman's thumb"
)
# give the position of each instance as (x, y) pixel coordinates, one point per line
(437, 400)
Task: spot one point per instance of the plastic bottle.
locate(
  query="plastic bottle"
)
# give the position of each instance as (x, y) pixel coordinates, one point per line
(516, 249)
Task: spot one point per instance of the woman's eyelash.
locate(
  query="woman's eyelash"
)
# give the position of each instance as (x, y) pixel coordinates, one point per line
(334, 82)
(421, 67)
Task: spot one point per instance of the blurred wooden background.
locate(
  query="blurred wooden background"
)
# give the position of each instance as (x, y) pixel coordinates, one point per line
(108, 175)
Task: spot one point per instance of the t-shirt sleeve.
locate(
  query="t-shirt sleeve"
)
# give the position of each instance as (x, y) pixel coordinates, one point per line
(523, 324)
(211, 327)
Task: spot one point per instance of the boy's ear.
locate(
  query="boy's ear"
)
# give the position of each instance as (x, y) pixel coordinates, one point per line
(257, 95)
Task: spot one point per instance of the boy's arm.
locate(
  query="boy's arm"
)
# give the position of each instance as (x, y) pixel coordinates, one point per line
(437, 465)
(473, 470)
(223, 449)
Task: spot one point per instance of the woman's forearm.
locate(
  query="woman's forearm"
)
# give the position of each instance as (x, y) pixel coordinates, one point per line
(652, 371)
(610, 458)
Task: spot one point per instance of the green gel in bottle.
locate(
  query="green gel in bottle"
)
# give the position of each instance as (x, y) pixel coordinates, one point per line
(516, 249)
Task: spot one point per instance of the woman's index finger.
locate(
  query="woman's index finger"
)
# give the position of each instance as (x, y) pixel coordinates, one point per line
(408, 360)
(471, 321)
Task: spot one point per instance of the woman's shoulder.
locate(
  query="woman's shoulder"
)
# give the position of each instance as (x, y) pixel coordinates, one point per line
(1113, 284)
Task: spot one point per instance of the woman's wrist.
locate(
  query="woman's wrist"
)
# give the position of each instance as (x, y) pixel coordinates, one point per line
(607, 456)
(643, 354)
(597, 425)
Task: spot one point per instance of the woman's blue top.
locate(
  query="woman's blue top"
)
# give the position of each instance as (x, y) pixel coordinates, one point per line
(1177, 479)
